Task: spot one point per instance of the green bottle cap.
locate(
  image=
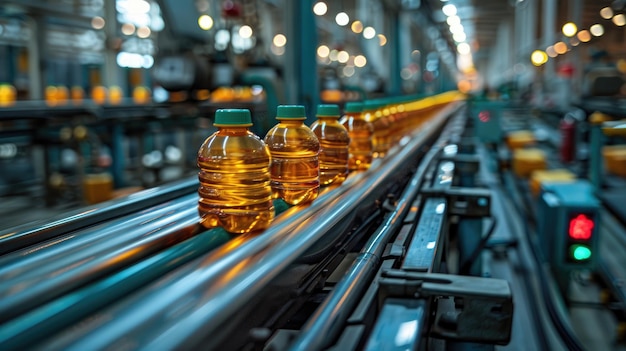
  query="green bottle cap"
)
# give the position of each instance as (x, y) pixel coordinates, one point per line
(290, 112)
(328, 110)
(354, 107)
(232, 117)
(371, 105)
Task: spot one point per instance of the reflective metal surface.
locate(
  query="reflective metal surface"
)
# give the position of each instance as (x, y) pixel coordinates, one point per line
(325, 323)
(40, 323)
(399, 326)
(22, 236)
(57, 269)
(183, 309)
(425, 244)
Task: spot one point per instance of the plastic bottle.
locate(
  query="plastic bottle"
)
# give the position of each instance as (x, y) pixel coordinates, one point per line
(372, 112)
(295, 150)
(334, 142)
(234, 176)
(360, 132)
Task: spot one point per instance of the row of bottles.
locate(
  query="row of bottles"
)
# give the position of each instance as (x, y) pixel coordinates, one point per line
(240, 173)
(61, 95)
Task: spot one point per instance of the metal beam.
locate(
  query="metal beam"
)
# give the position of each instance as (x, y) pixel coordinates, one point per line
(301, 60)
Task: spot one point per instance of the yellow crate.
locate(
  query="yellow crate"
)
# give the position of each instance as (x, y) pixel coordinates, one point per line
(97, 188)
(520, 139)
(525, 161)
(615, 159)
(540, 177)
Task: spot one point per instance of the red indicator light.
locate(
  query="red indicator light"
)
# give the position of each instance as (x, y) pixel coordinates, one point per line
(580, 227)
(483, 116)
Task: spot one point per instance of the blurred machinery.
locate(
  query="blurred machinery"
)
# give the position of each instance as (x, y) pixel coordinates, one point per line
(368, 265)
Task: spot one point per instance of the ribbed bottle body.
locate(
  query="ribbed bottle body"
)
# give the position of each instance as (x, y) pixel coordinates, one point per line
(380, 136)
(234, 176)
(360, 149)
(334, 150)
(294, 167)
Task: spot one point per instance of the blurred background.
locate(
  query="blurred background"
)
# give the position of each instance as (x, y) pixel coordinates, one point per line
(119, 94)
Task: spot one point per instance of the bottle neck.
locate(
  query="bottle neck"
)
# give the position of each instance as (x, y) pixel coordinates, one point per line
(354, 115)
(292, 122)
(232, 130)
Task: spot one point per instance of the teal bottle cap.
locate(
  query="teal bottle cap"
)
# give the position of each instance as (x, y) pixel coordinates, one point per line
(233, 117)
(354, 107)
(290, 112)
(328, 110)
(371, 105)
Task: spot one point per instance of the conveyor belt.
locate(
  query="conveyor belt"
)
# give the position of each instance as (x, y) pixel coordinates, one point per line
(326, 322)
(177, 286)
(219, 285)
(22, 236)
(38, 274)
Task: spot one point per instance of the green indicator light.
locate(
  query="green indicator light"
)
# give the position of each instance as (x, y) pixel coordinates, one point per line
(580, 252)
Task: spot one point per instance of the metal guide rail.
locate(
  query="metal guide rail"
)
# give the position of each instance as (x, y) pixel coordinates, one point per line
(209, 290)
(22, 236)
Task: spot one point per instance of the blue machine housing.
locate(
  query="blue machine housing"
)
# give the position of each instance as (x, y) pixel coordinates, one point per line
(558, 206)
(486, 116)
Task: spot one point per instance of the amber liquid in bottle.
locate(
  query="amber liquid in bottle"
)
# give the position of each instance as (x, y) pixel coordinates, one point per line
(234, 190)
(334, 153)
(294, 168)
(360, 148)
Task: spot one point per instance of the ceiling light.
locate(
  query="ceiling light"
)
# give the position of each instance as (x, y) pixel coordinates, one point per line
(323, 51)
(606, 12)
(97, 22)
(343, 56)
(360, 61)
(584, 36)
(463, 48)
(245, 32)
(560, 48)
(333, 55)
(457, 28)
(143, 32)
(369, 32)
(619, 20)
(342, 18)
(569, 29)
(320, 8)
(382, 40)
(357, 27)
(449, 10)
(128, 28)
(538, 58)
(452, 20)
(459, 37)
(279, 40)
(205, 22)
(597, 30)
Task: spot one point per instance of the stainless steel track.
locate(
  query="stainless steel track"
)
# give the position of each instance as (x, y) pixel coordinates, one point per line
(33, 276)
(29, 234)
(184, 308)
